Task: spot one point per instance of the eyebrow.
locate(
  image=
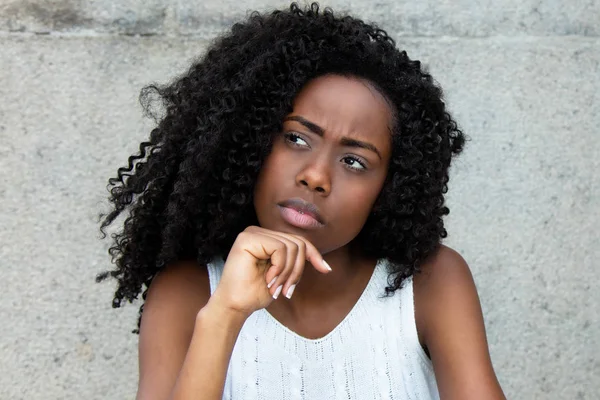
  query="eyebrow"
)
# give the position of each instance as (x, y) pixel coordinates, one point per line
(344, 141)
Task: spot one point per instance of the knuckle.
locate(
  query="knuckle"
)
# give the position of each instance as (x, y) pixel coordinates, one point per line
(277, 269)
(246, 236)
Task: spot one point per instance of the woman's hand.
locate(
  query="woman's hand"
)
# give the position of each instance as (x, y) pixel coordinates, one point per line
(260, 266)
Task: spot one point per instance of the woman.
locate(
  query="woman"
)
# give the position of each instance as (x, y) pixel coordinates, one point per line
(286, 221)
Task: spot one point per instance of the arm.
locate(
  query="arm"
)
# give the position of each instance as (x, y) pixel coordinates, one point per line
(185, 341)
(450, 324)
(205, 367)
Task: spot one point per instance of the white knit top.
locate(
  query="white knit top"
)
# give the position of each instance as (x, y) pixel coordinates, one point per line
(373, 354)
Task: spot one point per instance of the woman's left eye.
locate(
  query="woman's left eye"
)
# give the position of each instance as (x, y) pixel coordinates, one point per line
(355, 163)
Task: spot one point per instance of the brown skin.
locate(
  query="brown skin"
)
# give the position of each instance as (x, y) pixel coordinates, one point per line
(447, 310)
(319, 170)
(450, 325)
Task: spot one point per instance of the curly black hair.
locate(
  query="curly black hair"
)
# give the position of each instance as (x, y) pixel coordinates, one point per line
(189, 190)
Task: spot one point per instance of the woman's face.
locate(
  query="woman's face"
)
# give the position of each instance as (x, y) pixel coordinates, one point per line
(333, 153)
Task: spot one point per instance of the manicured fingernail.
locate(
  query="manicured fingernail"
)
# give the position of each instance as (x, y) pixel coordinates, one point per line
(276, 294)
(272, 282)
(327, 265)
(290, 292)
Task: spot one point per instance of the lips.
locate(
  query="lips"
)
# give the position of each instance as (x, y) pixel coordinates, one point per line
(303, 207)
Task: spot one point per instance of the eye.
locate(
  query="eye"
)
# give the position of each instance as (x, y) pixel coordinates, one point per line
(351, 162)
(354, 164)
(295, 140)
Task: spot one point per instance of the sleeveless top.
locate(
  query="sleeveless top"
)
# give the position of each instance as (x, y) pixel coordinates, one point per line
(373, 354)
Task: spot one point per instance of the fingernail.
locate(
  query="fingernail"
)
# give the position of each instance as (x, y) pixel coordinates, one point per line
(290, 291)
(327, 265)
(276, 294)
(272, 282)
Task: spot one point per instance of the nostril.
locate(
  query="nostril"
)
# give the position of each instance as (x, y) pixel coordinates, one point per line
(304, 182)
(320, 189)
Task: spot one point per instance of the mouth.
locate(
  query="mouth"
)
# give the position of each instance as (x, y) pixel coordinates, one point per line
(301, 213)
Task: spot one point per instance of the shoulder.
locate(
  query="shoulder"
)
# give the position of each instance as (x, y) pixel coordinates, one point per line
(444, 262)
(174, 298)
(185, 280)
(175, 295)
(450, 325)
(444, 282)
(445, 270)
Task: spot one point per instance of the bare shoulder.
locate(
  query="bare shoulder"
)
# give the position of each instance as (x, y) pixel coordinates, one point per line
(173, 300)
(444, 274)
(443, 265)
(184, 286)
(451, 326)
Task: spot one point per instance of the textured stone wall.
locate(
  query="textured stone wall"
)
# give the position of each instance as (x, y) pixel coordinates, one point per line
(522, 78)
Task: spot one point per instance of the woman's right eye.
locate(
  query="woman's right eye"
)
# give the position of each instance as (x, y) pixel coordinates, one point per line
(295, 140)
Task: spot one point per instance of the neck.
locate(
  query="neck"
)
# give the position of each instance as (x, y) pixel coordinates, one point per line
(350, 271)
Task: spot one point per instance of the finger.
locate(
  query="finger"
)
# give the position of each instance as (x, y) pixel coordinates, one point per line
(275, 277)
(294, 266)
(292, 244)
(265, 248)
(299, 265)
(296, 274)
(312, 254)
(279, 272)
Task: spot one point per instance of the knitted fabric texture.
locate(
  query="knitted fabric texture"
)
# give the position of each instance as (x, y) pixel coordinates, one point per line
(373, 354)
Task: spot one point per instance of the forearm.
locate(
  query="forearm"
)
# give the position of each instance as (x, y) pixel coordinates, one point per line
(202, 376)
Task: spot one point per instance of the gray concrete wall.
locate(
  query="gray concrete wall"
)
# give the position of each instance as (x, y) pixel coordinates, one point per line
(521, 76)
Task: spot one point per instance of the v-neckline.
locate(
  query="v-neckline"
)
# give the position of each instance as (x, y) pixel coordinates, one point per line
(274, 321)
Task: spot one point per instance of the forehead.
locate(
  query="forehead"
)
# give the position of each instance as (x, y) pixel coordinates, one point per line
(347, 106)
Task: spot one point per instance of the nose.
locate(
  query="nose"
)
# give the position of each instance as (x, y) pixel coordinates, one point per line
(316, 177)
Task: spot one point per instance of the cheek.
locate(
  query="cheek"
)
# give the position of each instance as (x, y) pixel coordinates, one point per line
(269, 174)
(357, 200)
(359, 203)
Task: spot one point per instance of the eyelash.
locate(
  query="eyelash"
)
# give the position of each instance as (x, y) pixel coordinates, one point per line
(288, 136)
